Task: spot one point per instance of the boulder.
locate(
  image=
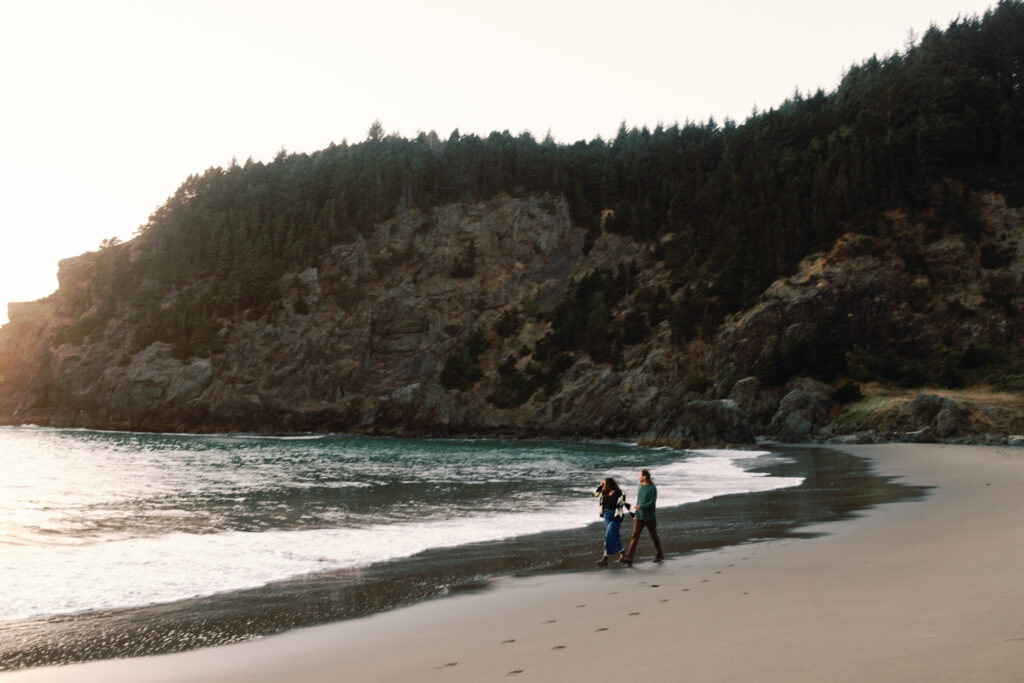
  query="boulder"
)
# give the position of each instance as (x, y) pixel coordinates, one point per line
(755, 400)
(806, 407)
(945, 416)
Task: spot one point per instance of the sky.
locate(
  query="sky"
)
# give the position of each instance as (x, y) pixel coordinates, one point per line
(107, 106)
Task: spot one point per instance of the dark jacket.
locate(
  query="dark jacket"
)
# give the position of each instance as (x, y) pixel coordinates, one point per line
(616, 500)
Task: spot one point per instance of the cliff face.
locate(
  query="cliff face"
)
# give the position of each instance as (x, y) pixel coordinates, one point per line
(900, 286)
(358, 344)
(359, 341)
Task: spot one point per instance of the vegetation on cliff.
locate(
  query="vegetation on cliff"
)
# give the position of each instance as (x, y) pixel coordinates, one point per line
(731, 206)
(264, 272)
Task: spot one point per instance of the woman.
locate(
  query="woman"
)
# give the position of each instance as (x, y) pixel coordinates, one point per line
(646, 499)
(613, 501)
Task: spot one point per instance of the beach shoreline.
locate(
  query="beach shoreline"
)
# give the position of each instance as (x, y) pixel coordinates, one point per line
(913, 590)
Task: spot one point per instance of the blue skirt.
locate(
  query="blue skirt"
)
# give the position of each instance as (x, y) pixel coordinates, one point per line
(612, 540)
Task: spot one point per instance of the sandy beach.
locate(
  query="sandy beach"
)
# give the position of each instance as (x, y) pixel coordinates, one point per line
(910, 591)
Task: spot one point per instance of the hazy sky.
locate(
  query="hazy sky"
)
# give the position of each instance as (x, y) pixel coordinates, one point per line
(108, 106)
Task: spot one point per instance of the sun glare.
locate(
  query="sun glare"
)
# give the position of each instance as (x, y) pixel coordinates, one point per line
(28, 270)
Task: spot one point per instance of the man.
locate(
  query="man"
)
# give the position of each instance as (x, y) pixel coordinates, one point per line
(646, 500)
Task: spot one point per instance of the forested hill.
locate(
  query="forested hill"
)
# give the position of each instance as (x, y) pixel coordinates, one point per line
(713, 214)
(733, 205)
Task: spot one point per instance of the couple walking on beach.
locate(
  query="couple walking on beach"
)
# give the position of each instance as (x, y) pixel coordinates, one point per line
(613, 505)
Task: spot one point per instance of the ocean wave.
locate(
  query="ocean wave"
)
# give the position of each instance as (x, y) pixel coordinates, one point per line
(44, 581)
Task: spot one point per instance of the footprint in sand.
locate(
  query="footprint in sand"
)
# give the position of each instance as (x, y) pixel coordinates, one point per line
(447, 666)
(655, 585)
(510, 640)
(579, 606)
(663, 600)
(558, 647)
(633, 614)
(614, 593)
(685, 590)
(704, 580)
(514, 672)
(603, 628)
(551, 621)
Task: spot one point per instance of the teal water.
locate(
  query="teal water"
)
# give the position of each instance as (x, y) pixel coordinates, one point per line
(164, 542)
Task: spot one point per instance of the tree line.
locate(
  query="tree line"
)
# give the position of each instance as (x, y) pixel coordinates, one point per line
(729, 207)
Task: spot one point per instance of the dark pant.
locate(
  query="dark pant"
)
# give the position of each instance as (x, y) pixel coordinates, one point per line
(612, 539)
(638, 526)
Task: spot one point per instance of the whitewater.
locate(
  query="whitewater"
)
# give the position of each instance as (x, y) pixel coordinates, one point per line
(108, 520)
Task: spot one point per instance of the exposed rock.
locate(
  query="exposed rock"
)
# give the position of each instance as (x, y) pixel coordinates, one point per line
(866, 292)
(806, 407)
(756, 401)
(359, 339)
(948, 420)
(412, 409)
(982, 440)
(941, 414)
(974, 418)
(704, 422)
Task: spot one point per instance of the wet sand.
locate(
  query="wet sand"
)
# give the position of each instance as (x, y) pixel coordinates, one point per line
(923, 590)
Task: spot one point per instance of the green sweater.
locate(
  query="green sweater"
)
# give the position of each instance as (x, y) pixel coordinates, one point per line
(646, 497)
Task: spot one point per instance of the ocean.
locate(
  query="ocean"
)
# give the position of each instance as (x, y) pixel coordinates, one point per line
(122, 544)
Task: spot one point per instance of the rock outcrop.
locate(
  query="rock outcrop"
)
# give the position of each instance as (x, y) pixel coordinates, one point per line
(703, 422)
(804, 409)
(758, 402)
(896, 289)
(358, 341)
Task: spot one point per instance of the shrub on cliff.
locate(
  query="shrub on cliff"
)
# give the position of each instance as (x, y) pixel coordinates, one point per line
(462, 368)
(820, 353)
(514, 388)
(849, 392)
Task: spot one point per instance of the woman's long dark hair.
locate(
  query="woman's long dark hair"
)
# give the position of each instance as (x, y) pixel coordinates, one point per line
(610, 489)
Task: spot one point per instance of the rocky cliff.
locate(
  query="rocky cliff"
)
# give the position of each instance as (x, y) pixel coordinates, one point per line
(360, 341)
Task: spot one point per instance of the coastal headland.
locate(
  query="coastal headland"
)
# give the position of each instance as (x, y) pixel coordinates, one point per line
(844, 268)
(835, 268)
(922, 590)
